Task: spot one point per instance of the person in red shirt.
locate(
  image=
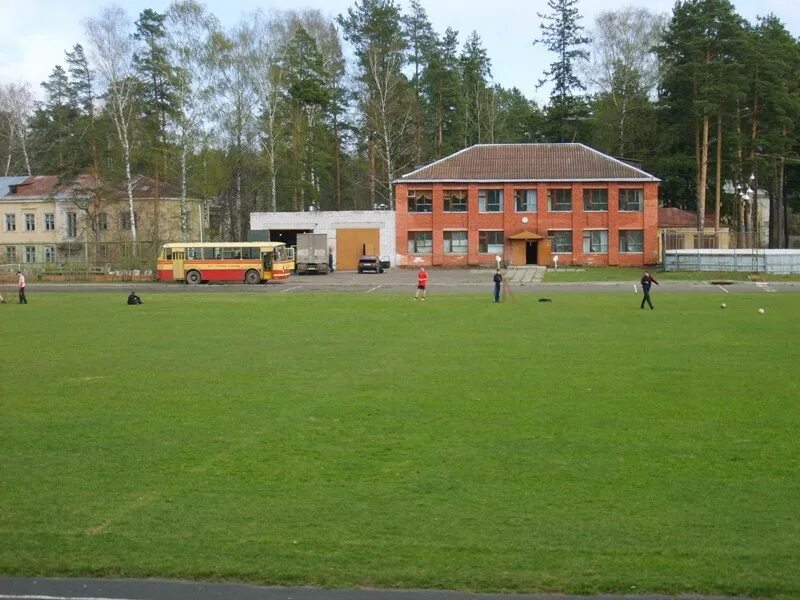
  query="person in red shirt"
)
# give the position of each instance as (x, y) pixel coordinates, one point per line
(422, 282)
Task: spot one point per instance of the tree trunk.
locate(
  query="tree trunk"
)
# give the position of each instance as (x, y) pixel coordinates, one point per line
(718, 186)
(337, 164)
(701, 191)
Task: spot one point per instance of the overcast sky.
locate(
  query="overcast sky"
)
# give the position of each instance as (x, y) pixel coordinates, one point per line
(35, 33)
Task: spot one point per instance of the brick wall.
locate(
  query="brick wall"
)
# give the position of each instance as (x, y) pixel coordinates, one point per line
(539, 222)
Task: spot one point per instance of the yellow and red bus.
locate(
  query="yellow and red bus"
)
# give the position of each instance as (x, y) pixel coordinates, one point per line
(242, 262)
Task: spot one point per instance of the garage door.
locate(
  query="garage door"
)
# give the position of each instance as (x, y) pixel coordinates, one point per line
(352, 243)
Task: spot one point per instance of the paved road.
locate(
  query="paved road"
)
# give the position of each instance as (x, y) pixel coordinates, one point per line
(12, 588)
(403, 280)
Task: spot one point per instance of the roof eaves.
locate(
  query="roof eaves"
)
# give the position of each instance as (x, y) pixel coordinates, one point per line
(649, 179)
(448, 157)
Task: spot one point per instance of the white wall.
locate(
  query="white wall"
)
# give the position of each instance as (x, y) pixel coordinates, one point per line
(328, 221)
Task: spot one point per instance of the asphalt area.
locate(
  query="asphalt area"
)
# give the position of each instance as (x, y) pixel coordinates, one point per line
(12, 588)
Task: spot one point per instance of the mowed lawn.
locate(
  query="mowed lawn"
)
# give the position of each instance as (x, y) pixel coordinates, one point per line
(350, 439)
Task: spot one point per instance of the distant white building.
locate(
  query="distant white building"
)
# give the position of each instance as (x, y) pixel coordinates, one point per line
(351, 233)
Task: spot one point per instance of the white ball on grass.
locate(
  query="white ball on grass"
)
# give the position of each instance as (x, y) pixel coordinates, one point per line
(761, 311)
(723, 305)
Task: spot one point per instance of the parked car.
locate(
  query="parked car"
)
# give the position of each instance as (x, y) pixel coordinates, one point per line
(370, 263)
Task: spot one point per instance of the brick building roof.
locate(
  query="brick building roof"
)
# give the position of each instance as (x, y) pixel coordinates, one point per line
(669, 216)
(527, 162)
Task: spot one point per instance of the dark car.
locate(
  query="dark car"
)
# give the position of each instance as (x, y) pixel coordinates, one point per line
(370, 263)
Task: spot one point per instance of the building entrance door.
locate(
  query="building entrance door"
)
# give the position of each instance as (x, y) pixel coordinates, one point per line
(530, 252)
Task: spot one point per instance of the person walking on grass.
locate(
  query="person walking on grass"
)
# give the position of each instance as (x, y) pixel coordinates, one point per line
(422, 283)
(498, 279)
(646, 281)
(21, 286)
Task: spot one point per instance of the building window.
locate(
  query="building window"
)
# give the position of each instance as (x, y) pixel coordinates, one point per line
(559, 200)
(490, 242)
(30, 254)
(490, 200)
(11, 222)
(455, 201)
(631, 200)
(631, 241)
(455, 242)
(420, 242)
(72, 224)
(125, 219)
(102, 221)
(595, 242)
(11, 254)
(30, 222)
(49, 254)
(525, 200)
(562, 240)
(420, 201)
(49, 222)
(595, 200)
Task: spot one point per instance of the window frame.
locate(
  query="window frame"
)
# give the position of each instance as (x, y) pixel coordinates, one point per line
(30, 221)
(414, 235)
(11, 254)
(484, 202)
(623, 237)
(449, 195)
(72, 224)
(49, 221)
(553, 192)
(589, 200)
(49, 254)
(485, 246)
(587, 234)
(415, 199)
(29, 253)
(102, 221)
(625, 191)
(463, 242)
(555, 248)
(10, 222)
(526, 191)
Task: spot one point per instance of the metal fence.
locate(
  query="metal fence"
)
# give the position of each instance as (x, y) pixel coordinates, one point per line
(694, 240)
(82, 259)
(752, 260)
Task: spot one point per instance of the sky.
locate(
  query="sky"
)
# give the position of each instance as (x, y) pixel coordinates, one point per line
(35, 33)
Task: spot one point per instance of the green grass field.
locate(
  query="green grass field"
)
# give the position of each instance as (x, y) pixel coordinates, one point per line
(571, 274)
(369, 440)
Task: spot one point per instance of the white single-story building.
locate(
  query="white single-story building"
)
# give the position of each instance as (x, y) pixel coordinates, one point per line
(351, 233)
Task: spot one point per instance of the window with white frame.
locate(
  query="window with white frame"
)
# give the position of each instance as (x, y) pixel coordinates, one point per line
(525, 200)
(631, 199)
(455, 242)
(30, 222)
(420, 242)
(490, 242)
(102, 221)
(455, 201)
(559, 200)
(49, 222)
(490, 200)
(595, 241)
(72, 224)
(49, 254)
(595, 200)
(631, 240)
(420, 201)
(561, 240)
(11, 254)
(30, 254)
(11, 222)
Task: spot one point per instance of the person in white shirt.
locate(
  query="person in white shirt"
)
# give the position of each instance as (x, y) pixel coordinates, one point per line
(21, 286)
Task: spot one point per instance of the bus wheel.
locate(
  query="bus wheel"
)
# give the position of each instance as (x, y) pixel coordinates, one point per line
(252, 276)
(193, 277)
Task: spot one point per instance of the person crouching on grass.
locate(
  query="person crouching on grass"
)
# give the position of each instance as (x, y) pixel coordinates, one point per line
(422, 283)
(647, 281)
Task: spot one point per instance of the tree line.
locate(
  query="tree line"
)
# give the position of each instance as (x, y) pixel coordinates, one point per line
(274, 114)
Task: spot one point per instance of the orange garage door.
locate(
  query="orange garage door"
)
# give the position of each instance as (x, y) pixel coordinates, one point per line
(352, 243)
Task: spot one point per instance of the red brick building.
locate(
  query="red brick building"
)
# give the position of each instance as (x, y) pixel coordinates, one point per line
(527, 203)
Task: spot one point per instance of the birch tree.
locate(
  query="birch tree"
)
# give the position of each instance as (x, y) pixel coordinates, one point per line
(16, 106)
(111, 52)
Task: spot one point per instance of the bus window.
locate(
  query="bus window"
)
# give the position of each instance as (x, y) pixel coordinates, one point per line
(231, 253)
(250, 252)
(279, 253)
(194, 253)
(168, 253)
(213, 253)
(268, 261)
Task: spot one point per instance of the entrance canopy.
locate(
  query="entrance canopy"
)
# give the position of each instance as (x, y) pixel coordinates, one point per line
(525, 235)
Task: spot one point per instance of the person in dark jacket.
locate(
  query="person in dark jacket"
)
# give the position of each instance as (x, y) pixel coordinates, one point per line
(646, 281)
(134, 299)
(498, 279)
